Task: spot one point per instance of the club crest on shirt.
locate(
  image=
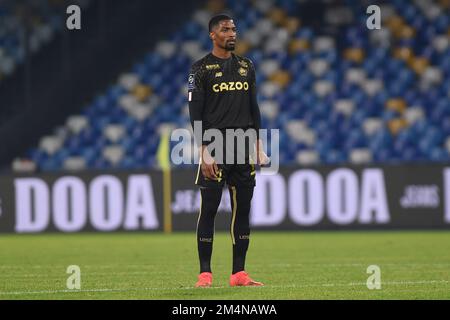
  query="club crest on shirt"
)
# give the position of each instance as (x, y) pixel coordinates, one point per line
(243, 63)
(242, 71)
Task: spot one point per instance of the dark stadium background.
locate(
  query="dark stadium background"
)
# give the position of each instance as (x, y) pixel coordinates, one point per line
(357, 109)
(86, 116)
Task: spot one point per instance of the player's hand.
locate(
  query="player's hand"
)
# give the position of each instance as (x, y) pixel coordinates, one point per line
(209, 166)
(263, 159)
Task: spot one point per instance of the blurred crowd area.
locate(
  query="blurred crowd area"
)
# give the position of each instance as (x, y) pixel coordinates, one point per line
(339, 92)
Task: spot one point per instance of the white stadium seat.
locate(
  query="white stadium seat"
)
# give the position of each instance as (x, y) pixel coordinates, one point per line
(74, 163)
(50, 144)
(413, 114)
(308, 157)
(344, 106)
(372, 125)
(113, 154)
(360, 156)
(114, 132)
(129, 81)
(76, 123)
(318, 67)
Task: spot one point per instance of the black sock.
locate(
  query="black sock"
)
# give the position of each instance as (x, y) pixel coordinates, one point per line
(240, 225)
(205, 225)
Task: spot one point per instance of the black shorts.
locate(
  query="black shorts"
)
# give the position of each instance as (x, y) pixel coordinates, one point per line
(238, 171)
(236, 175)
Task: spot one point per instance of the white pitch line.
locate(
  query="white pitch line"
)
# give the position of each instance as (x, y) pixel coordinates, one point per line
(96, 290)
(219, 287)
(406, 282)
(305, 264)
(30, 275)
(400, 264)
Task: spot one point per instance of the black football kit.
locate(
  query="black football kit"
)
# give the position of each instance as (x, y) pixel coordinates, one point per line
(222, 95)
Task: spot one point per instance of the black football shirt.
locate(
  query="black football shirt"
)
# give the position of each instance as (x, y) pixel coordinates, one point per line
(222, 93)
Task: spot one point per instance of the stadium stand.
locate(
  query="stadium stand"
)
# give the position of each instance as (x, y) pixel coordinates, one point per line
(40, 20)
(355, 96)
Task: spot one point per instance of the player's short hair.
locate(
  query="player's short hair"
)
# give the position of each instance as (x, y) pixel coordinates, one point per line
(217, 19)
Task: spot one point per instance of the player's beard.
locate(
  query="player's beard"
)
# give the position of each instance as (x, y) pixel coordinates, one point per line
(229, 47)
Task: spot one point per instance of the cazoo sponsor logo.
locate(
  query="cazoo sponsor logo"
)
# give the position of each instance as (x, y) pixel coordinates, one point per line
(230, 86)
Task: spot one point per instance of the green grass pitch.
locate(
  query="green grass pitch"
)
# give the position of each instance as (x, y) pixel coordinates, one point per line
(293, 265)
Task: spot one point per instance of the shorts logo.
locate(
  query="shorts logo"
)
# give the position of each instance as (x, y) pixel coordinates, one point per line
(219, 178)
(242, 72)
(212, 66)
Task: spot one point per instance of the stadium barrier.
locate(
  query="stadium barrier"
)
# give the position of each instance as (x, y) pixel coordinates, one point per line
(315, 198)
